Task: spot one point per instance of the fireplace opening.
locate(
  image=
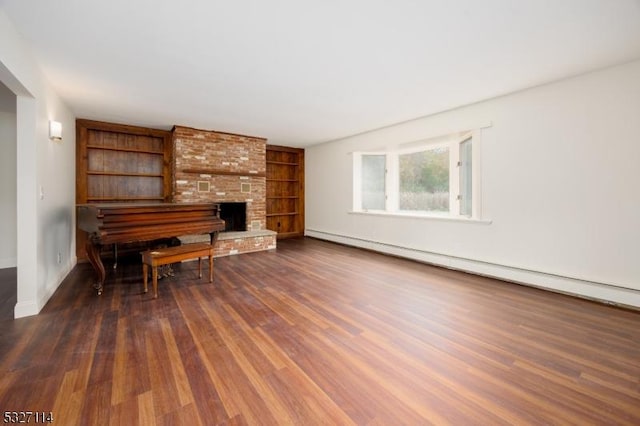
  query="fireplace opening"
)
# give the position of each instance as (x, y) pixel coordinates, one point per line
(234, 216)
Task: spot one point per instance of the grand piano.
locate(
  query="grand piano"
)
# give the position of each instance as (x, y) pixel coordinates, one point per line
(115, 223)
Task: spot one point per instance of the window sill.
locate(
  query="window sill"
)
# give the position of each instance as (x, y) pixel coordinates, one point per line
(426, 216)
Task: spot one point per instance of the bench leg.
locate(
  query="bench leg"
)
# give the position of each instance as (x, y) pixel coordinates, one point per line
(199, 267)
(210, 268)
(145, 272)
(154, 275)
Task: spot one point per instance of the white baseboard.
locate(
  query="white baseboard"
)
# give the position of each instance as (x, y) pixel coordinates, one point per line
(33, 307)
(53, 285)
(25, 309)
(602, 292)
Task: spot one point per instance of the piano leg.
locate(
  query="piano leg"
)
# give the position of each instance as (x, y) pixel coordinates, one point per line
(213, 237)
(93, 252)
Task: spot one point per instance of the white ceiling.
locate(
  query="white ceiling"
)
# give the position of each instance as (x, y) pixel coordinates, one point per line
(301, 72)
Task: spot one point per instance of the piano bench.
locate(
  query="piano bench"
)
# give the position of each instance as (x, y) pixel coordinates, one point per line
(167, 255)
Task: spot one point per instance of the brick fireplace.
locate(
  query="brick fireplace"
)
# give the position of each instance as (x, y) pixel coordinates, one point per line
(224, 168)
(234, 216)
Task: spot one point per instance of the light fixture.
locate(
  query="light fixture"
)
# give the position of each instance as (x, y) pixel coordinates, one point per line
(55, 130)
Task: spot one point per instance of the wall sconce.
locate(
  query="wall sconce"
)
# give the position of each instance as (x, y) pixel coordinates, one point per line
(55, 130)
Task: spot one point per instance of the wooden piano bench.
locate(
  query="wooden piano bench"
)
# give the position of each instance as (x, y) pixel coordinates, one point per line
(167, 255)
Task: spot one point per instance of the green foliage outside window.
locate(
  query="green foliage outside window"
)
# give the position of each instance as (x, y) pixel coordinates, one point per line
(424, 180)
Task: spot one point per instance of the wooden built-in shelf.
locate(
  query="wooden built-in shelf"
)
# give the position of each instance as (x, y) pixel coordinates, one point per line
(221, 172)
(125, 174)
(113, 148)
(284, 163)
(285, 183)
(282, 214)
(117, 163)
(120, 198)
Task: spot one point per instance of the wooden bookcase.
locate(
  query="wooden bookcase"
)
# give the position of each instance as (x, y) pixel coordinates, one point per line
(285, 191)
(118, 163)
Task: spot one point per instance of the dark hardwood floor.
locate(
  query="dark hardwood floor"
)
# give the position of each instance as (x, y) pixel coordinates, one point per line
(8, 292)
(318, 333)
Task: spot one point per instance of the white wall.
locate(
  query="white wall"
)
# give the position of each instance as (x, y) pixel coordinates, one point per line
(45, 176)
(559, 185)
(8, 221)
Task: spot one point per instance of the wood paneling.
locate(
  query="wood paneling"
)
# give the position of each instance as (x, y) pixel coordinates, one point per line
(120, 163)
(285, 191)
(318, 333)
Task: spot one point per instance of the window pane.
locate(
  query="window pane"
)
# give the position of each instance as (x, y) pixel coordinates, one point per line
(373, 182)
(465, 178)
(424, 180)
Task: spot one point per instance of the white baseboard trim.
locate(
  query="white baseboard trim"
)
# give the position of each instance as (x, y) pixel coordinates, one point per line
(601, 292)
(55, 283)
(25, 309)
(33, 307)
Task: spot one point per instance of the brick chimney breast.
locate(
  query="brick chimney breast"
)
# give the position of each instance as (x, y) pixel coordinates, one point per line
(231, 164)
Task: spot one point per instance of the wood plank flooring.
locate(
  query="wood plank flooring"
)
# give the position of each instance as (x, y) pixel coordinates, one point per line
(318, 333)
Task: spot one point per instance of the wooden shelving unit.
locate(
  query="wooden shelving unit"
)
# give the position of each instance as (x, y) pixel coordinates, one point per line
(121, 164)
(285, 191)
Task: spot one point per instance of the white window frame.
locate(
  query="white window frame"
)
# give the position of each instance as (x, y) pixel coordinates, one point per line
(357, 181)
(392, 178)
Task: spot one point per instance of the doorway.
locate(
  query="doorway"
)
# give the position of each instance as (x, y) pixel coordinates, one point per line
(8, 203)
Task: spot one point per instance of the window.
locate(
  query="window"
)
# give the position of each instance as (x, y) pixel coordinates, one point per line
(466, 184)
(373, 182)
(429, 178)
(424, 180)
